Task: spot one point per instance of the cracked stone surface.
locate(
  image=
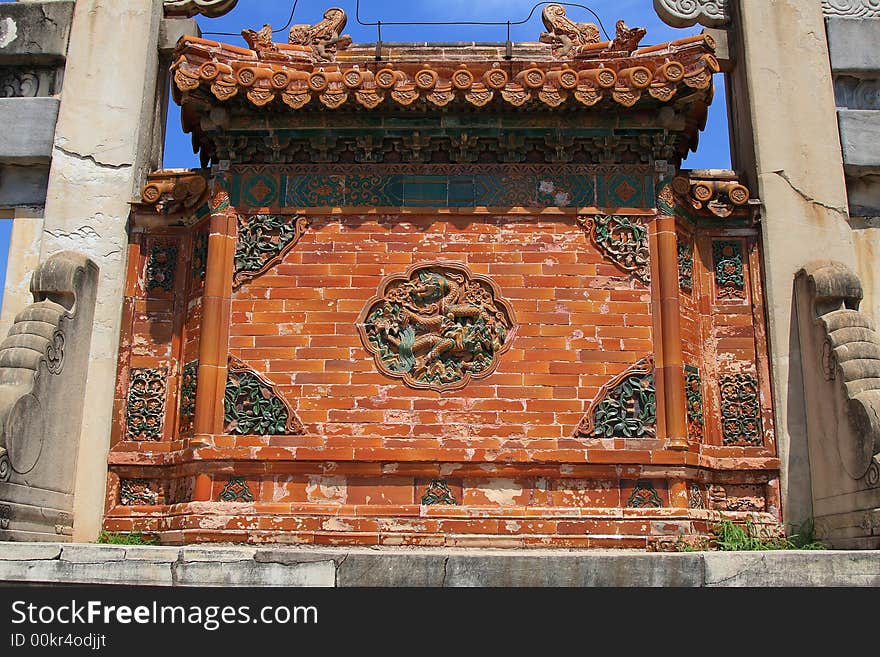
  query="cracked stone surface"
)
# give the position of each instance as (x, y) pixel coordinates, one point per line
(394, 567)
(809, 199)
(802, 188)
(93, 160)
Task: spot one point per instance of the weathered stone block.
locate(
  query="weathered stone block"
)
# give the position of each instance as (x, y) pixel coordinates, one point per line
(34, 31)
(591, 569)
(29, 129)
(854, 45)
(29, 551)
(377, 569)
(788, 569)
(860, 138)
(23, 185)
(171, 30)
(250, 573)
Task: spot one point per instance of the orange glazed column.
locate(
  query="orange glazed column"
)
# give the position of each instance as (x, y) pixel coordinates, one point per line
(214, 344)
(670, 356)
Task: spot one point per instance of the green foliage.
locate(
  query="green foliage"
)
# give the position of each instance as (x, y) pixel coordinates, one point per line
(126, 538)
(729, 536)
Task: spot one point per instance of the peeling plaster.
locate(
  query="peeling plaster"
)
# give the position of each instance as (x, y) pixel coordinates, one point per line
(8, 32)
(326, 489)
(503, 492)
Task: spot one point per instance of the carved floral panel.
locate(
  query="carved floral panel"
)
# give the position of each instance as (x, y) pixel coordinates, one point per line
(252, 407)
(740, 410)
(623, 240)
(263, 239)
(437, 326)
(146, 403)
(626, 406)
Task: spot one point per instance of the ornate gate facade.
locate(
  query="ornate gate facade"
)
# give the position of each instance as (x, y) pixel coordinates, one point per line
(443, 297)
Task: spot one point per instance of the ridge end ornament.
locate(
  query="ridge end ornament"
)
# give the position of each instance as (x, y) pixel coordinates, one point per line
(565, 34)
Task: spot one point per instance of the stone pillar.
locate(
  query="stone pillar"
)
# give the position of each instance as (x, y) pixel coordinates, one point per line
(101, 153)
(786, 126)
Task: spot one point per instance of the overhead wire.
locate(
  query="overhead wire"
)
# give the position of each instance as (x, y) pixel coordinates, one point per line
(379, 23)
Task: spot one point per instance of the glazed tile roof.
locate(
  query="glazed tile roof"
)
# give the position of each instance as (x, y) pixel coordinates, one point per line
(443, 75)
(616, 86)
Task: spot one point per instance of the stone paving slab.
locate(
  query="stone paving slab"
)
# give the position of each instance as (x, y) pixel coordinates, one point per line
(62, 563)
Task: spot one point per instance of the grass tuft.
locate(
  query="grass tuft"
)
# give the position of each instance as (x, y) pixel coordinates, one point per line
(126, 538)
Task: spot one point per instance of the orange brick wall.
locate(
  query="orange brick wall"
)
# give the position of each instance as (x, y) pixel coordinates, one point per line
(581, 320)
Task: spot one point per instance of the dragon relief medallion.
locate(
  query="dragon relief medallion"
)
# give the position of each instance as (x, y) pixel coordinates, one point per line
(437, 326)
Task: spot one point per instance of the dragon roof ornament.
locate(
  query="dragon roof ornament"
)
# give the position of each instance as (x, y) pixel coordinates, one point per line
(190, 8)
(583, 39)
(319, 42)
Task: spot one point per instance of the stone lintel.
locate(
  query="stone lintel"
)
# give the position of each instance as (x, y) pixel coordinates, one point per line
(28, 128)
(854, 46)
(860, 138)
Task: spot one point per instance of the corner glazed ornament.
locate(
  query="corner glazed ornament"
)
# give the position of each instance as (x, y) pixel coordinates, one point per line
(437, 326)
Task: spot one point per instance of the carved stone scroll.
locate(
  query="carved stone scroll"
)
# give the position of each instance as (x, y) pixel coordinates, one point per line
(685, 13)
(840, 360)
(852, 8)
(43, 368)
(437, 326)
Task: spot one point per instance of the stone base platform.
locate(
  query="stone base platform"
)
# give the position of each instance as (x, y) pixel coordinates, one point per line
(54, 563)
